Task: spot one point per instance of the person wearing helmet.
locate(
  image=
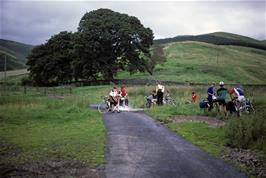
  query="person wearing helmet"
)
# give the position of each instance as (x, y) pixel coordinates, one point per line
(237, 96)
(237, 93)
(221, 97)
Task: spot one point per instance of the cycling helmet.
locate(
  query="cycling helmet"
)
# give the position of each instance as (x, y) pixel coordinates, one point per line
(221, 83)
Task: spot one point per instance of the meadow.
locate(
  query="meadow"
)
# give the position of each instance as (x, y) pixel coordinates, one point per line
(56, 126)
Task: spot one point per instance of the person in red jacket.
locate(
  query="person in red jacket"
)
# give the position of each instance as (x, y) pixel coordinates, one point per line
(193, 97)
(124, 96)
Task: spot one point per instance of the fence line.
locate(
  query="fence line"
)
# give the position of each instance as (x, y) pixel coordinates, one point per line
(68, 89)
(150, 82)
(40, 91)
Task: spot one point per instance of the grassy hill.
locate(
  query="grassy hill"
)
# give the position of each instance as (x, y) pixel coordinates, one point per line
(218, 38)
(204, 63)
(19, 50)
(188, 59)
(238, 37)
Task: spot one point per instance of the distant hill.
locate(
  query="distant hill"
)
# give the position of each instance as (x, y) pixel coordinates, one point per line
(18, 50)
(218, 38)
(200, 62)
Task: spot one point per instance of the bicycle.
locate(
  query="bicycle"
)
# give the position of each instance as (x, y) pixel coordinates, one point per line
(169, 100)
(243, 107)
(105, 106)
(150, 101)
(123, 101)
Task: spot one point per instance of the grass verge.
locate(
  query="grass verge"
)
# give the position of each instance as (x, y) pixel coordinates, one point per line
(37, 128)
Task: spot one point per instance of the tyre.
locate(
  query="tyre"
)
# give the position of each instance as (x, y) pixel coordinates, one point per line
(103, 107)
(172, 102)
(250, 109)
(147, 104)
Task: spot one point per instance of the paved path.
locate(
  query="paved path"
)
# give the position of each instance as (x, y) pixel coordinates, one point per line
(139, 147)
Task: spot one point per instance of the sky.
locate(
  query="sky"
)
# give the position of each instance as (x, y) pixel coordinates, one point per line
(34, 22)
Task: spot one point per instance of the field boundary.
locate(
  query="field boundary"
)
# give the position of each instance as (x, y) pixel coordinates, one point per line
(150, 82)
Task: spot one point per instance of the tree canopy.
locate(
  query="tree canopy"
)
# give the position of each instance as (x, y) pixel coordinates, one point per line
(105, 43)
(50, 63)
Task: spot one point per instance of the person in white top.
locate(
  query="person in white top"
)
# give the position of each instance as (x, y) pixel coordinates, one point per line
(114, 99)
(160, 92)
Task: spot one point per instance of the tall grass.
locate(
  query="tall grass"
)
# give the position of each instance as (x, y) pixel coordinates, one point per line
(247, 132)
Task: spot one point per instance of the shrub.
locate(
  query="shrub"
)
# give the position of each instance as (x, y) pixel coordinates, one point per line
(26, 81)
(247, 132)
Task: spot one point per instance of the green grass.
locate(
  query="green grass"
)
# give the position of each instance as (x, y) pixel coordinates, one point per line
(207, 138)
(40, 128)
(203, 63)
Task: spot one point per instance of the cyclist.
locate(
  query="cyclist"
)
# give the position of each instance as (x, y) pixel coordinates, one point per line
(221, 97)
(237, 96)
(211, 95)
(160, 92)
(124, 96)
(237, 93)
(114, 99)
(152, 98)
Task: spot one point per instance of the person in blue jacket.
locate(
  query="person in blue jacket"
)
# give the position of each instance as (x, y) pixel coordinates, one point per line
(211, 95)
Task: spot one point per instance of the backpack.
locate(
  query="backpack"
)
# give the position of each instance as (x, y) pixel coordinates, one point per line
(202, 104)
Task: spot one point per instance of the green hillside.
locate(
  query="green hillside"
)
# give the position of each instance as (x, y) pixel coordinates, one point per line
(237, 37)
(218, 38)
(204, 63)
(19, 50)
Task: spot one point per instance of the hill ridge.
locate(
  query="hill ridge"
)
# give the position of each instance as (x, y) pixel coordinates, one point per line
(217, 38)
(17, 49)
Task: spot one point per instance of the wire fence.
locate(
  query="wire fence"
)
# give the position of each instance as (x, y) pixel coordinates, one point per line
(14, 89)
(7, 90)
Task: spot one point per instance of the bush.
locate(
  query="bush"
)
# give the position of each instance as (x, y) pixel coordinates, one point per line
(26, 81)
(247, 132)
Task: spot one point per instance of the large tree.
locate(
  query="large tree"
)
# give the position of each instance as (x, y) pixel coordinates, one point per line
(105, 43)
(108, 41)
(51, 63)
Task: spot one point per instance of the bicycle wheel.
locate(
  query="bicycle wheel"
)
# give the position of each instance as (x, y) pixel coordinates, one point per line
(172, 102)
(103, 107)
(250, 109)
(147, 104)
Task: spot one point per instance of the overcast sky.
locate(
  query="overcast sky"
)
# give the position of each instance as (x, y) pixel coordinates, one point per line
(34, 22)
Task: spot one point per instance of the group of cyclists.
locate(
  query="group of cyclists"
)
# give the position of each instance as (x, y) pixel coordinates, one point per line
(119, 97)
(116, 98)
(157, 95)
(219, 97)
